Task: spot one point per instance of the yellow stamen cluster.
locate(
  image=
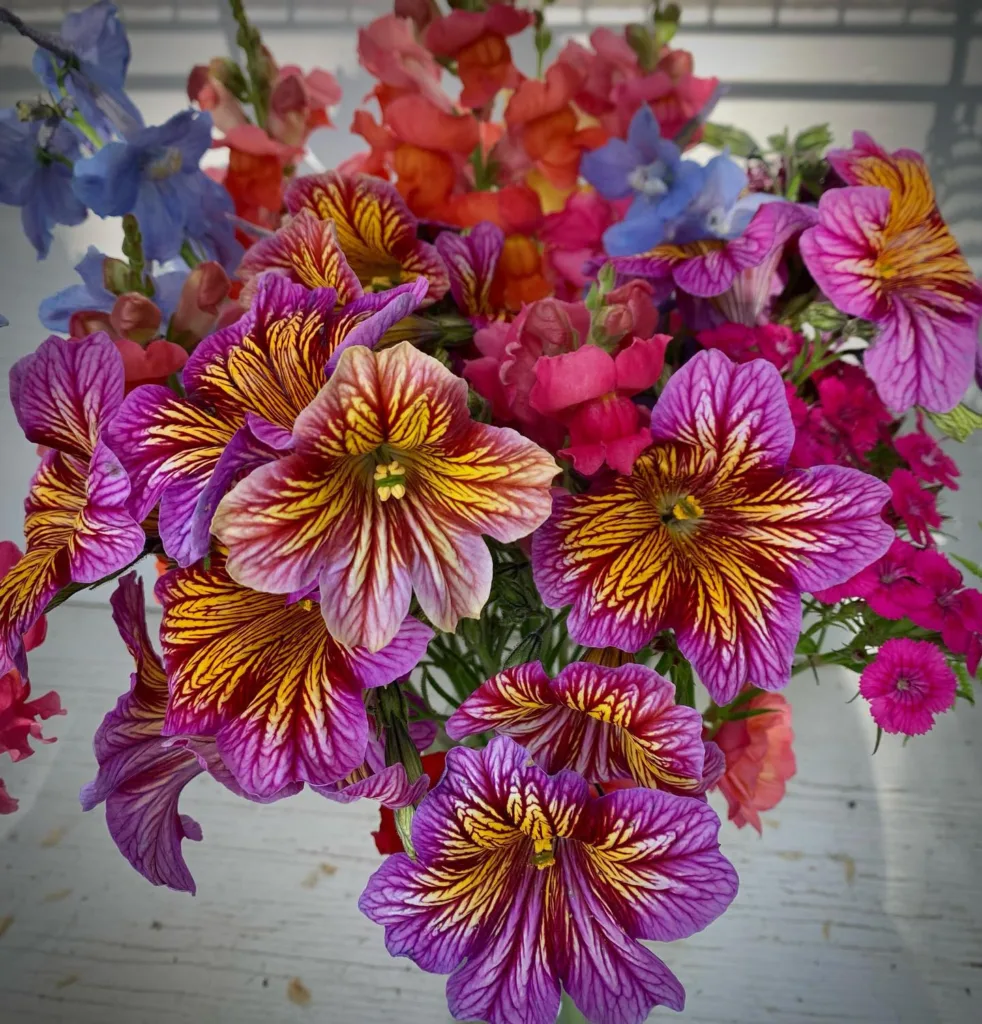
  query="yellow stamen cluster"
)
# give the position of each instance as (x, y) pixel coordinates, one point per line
(390, 480)
(687, 508)
(543, 853)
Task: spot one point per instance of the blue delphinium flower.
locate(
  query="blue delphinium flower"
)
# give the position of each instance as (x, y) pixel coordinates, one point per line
(154, 175)
(650, 169)
(36, 160)
(212, 228)
(98, 40)
(56, 311)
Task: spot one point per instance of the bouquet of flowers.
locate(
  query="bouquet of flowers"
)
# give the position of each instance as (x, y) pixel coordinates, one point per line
(504, 475)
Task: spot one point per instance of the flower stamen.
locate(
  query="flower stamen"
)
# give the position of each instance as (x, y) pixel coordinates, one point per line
(390, 480)
(543, 853)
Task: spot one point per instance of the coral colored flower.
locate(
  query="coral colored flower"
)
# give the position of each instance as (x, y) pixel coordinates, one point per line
(604, 723)
(759, 758)
(926, 459)
(515, 208)
(77, 525)
(891, 586)
(387, 837)
(882, 251)
(471, 261)
(389, 51)
(600, 71)
(590, 389)
(375, 229)
(916, 506)
(519, 278)
(299, 102)
(391, 499)
(673, 93)
(262, 675)
(776, 343)
(711, 535)
(543, 124)
(245, 387)
(305, 250)
(476, 40)
(142, 772)
(907, 684)
(523, 880)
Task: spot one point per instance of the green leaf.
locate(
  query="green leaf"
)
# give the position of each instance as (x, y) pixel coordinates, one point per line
(973, 567)
(965, 688)
(721, 136)
(818, 137)
(959, 424)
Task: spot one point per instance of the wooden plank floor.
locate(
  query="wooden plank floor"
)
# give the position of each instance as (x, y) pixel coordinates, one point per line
(862, 902)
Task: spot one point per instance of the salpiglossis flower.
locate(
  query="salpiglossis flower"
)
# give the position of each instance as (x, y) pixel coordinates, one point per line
(264, 677)
(77, 525)
(604, 723)
(388, 490)
(375, 229)
(882, 251)
(141, 771)
(711, 536)
(526, 885)
(245, 387)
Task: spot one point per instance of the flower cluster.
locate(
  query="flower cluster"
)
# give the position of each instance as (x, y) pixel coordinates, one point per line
(495, 443)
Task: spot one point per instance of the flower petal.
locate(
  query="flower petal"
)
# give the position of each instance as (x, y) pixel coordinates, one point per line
(471, 261)
(739, 414)
(66, 390)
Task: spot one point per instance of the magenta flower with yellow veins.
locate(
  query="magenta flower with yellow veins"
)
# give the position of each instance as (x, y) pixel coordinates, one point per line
(711, 536)
(388, 490)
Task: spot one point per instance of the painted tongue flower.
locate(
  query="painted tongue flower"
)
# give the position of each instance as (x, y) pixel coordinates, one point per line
(650, 169)
(604, 723)
(711, 536)
(907, 684)
(77, 525)
(526, 885)
(388, 491)
(759, 758)
(882, 251)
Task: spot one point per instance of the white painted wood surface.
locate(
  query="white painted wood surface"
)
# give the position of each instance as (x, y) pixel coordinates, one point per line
(862, 902)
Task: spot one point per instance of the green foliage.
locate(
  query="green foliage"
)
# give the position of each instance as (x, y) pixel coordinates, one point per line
(965, 688)
(958, 424)
(973, 567)
(726, 136)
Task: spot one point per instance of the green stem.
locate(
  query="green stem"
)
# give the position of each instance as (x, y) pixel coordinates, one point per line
(568, 1013)
(189, 256)
(85, 128)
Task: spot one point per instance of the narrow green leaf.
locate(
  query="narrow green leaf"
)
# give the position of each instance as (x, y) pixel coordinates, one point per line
(959, 424)
(965, 688)
(973, 567)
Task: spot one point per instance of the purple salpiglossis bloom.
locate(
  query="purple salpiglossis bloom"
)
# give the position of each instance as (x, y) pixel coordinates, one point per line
(471, 261)
(254, 377)
(711, 535)
(56, 311)
(155, 176)
(141, 772)
(77, 523)
(95, 86)
(36, 160)
(650, 169)
(525, 885)
(603, 722)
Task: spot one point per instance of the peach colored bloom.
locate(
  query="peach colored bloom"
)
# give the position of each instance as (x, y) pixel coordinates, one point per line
(759, 758)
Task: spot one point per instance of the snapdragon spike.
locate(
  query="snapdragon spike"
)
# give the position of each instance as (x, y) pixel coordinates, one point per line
(711, 536)
(388, 490)
(526, 885)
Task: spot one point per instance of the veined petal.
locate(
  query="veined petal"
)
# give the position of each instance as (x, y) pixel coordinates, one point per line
(737, 413)
(374, 227)
(66, 390)
(823, 524)
(471, 262)
(306, 249)
(604, 723)
(282, 698)
(605, 555)
(389, 786)
(273, 361)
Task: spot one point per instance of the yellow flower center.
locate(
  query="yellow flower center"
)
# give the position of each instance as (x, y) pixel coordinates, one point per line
(676, 510)
(543, 853)
(390, 480)
(307, 605)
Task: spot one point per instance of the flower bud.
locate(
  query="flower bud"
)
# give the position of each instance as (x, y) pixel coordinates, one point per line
(84, 322)
(203, 293)
(422, 12)
(115, 275)
(136, 317)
